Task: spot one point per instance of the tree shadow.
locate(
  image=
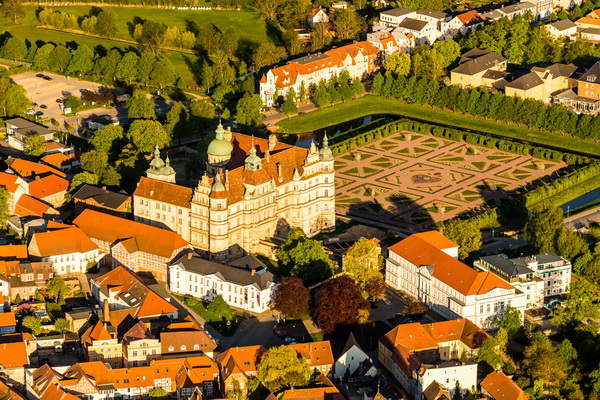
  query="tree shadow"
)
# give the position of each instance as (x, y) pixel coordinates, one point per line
(246, 49)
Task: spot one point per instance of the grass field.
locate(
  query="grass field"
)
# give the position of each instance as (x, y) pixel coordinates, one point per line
(247, 25)
(368, 105)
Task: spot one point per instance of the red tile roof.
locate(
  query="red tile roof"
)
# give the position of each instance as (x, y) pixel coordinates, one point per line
(164, 191)
(28, 169)
(13, 355)
(316, 353)
(13, 252)
(470, 17)
(501, 387)
(98, 332)
(424, 249)
(58, 160)
(9, 181)
(111, 229)
(588, 21)
(62, 241)
(47, 186)
(7, 319)
(27, 206)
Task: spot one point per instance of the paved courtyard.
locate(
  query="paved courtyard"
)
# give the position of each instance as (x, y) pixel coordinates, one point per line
(410, 180)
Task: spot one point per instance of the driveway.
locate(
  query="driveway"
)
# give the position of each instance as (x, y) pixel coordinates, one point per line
(46, 92)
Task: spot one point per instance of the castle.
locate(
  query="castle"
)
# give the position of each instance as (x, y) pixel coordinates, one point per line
(252, 190)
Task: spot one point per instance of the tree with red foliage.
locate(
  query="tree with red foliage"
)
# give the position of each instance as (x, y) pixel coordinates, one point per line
(375, 287)
(337, 303)
(291, 297)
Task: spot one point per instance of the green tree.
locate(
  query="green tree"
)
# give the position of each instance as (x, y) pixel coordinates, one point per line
(94, 162)
(145, 134)
(289, 105)
(219, 309)
(140, 107)
(579, 306)
(61, 325)
(281, 367)
(82, 59)
(567, 353)
(347, 23)
(177, 121)
(107, 65)
(104, 138)
(110, 177)
(570, 244)
(248, 110)
(57, 288)
(398, 63)
(18, 299)
(448, 49)
(202, 109)
(107, 23)
(33, 324)
(14, 10)
(510, 321)
(38, 296)
(147, 59)
(127, 69)
(305, 258)
(267, 54)
(268, 9)
(543, 227)
(158, 393)
(14, 48)
(163, 73)
(338, 303)
(42, 57)
(35, 145)
(60, 57)
(291, 298)
(79, 180)
(363, 262)
(357, 87)
(489, 353)
(73, 102)
(542, 362)
(465, 234)
(322, 96)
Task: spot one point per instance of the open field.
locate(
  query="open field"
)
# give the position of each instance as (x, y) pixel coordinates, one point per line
(412, 181)
(369, 105)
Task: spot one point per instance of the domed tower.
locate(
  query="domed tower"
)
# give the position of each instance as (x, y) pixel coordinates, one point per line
(219, 152)
(252, 162)
(159, 169)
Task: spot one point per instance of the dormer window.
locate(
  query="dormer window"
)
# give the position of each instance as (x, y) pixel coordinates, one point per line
(183, 348)
(591, 78)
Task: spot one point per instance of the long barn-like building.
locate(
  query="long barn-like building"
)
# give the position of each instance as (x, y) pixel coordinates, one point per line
(253, 189)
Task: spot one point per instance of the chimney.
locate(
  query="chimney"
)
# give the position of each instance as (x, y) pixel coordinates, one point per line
(105, 310)
(189, 255)
(252, 271)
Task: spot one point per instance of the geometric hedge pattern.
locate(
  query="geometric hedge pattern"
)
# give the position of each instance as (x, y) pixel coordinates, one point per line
(410, 181)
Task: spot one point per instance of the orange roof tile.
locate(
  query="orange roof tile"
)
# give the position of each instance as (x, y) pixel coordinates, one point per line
(98, 332)
(111, 229)
(47, 186)
(424, 250)
(316, 353)
(13, 252)
(412, 337)
(470, 17)
(164, 191)
(62, 241)
(13, 355)
(28, 169)
(8, 393)
(7, 319)
(9, 181)
(246, 357)
(321, 393)
(153, 305)
(588, 21)
(58, 160)
(501, 387)
(27, 206)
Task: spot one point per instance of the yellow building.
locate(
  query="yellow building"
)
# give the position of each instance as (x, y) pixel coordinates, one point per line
(101, 344)
(541, 83)
(140, 347)
(473, 66)
(253, 189)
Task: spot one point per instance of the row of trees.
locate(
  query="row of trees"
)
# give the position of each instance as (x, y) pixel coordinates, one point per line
(532, 113)
(523, 43)
(130, 66)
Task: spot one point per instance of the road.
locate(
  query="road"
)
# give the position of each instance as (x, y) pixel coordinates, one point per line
(583, 219)
(273, 117)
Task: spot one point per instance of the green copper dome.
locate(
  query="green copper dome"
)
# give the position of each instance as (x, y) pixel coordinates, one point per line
(219, 146)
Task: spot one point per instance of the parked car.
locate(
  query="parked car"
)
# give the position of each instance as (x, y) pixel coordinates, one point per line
(43, 106)
(46, 77)
(31, 111)
(40, 75)
(59, 100)
(289, 340)
(39, 113)
(281, 333)
(33, 103)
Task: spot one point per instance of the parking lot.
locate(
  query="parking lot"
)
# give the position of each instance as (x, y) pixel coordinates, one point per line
(46, 92)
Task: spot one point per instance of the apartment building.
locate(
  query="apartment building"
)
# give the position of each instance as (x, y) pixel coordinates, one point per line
(244, 283)
(103, 200)
(100, 343)
(24, 277)
(18, 130)
(424, 266)
(475, 66)
(238, 364)
(140, 347)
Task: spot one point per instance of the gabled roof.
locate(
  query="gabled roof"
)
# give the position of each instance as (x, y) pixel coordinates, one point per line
(187, 334)
(350, 343)
(59, 159)
(59, 242)
(526, 82)
(7, 319)
(501, 387)
(413, 24)
(96, 332)
(471, 18)
(111, 229)
(588, 21)
(563, 25)
(13, 252)
(13, 355)
(592, 74)
(316, 353)
(29, 169)
(432, 13)
(164, 192)
(138, 332)
(245, 358)
(47, 186)
(27, 206)
(445, 268)
(476, 61)
(9, 181)
(8, 393)
(103, 197)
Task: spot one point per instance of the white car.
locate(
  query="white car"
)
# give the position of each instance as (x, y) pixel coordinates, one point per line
(31, 111)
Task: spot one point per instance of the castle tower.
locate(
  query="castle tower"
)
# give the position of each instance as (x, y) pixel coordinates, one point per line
(159, 169)
(252, 162)
(219, 152)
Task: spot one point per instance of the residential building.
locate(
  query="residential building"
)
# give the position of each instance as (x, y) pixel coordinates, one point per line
(238, 364)
(122, 289)
(395, 16)
(100, 343)
(591, 34)
(462, 23)
(29, 170)
(253, 189)
(586, 96)
(11, 252)
(8, 323)
(64, 162)
(18, 130)
(50, 189)
(586, 22)
(543, 277)
(30, 208)
(14, 359)
(16, 187)
(419, 355)
(103, 200)
(69, 249)
(25, 277)
(360, 59)
(353, 361)
(513, 10)
(244, 284)
(186, 339)
(318, 355)
(528, 86)
(317, 14)
(390, 40)
(327, 392)
(423, 31)
(4, 292)
(543, 83)
(8, 393)
(424, 266)
(140, 347)
(473, 65)
(136, 246)
(564, 27)
(497, 386)
(543, 8)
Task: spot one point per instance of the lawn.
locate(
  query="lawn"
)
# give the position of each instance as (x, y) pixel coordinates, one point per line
(368, 105)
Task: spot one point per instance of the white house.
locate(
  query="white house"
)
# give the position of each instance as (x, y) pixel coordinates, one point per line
(395, 16)
(462, 23)
(16, 186)
(244, 283)
(18, 130)
(389, 40)
(69, 249)
(420, 355)
(353, 361)
(424, 266)
(424, 32)
(318, 14)
(564, 27)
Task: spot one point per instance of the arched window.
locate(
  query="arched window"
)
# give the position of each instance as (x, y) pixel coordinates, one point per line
(183, 348)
